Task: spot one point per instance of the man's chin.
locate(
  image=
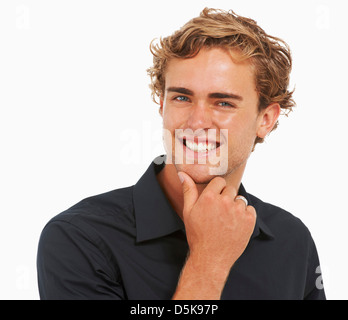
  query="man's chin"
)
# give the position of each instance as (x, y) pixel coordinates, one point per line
(199, 173)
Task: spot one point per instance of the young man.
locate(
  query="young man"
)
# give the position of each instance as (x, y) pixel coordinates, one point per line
(188, 229)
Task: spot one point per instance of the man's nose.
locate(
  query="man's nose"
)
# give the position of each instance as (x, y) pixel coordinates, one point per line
(200, 117)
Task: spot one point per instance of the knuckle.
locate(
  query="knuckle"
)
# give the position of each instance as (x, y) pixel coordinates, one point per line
(185, 189)
(226, 200)
(239, 205)
(251, 210)
(209, 195)
(251, 213)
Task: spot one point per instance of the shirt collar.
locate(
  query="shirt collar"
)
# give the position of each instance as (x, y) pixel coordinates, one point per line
(260, 226)
(154, 215)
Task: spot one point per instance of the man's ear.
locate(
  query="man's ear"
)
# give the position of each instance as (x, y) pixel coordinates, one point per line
(268, 119)
(160, 110)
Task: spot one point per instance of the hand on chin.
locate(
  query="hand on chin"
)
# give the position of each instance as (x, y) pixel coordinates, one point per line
(198, 172)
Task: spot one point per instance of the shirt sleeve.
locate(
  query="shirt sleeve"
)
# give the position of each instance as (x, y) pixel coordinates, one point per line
(71, 265)
(314, 282)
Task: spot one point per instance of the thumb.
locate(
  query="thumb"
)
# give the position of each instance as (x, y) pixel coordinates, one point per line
(190, 191)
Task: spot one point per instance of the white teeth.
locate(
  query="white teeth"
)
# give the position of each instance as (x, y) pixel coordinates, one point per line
(200, 147)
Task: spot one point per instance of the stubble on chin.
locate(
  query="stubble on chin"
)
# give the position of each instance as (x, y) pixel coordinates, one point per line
(202, 176)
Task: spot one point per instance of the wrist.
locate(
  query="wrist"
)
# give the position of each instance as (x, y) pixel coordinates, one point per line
(201, 279)
(215, 268)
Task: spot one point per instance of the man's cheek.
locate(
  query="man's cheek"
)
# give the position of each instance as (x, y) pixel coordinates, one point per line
(219, 160)
(168, 145)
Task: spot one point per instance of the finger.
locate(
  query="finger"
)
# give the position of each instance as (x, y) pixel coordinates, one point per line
(251, 210)
(190, 191)
(216, 186)
(241, 200)
(229, 191)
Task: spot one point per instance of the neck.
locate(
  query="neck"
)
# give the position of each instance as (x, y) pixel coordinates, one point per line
(171, 185)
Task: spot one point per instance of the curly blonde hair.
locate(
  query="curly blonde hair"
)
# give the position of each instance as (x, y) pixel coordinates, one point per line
(269, 55)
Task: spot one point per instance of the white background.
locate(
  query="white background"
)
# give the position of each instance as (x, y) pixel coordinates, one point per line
(77, 119)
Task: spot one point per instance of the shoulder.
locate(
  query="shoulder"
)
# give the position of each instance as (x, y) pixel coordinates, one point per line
(97, 215)
(281, 222)
(75, 257)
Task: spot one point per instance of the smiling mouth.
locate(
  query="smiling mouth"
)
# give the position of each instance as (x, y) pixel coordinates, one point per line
(200, 147)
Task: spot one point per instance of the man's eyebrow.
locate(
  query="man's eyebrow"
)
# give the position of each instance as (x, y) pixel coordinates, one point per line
(225, 95)
(214, 95)
(180, 90)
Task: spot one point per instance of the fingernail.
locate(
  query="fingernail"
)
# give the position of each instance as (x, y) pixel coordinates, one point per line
(181, 177)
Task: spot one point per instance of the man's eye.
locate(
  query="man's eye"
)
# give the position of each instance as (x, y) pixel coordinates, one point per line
(181, 98)
(225, 104)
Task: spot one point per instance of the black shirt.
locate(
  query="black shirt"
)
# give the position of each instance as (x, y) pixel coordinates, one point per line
(129, 243)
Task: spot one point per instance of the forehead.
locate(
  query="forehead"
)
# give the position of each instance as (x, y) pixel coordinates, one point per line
(211, 69)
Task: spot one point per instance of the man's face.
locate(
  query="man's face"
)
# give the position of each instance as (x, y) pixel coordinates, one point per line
(209, 91)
